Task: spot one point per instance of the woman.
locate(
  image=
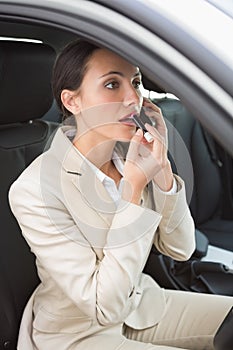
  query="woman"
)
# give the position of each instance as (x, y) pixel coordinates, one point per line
(90, 211)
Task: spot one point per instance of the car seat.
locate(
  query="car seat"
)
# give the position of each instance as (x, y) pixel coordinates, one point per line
(193, 155)
(205, 197)
(25, 73)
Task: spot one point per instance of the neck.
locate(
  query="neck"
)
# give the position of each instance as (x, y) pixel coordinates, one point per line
(98, 152)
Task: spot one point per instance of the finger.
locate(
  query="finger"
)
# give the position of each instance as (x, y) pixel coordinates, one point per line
(135, 144)
(154, 113)
(154, 132)
(156, 118)
(158, 137)
(147, 103)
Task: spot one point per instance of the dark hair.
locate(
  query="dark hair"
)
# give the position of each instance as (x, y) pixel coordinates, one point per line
(69, 69)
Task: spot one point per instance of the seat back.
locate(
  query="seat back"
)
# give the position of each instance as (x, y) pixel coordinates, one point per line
(205, 191)
(204, 201)
(25, 73)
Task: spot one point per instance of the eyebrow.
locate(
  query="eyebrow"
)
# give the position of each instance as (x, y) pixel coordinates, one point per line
(119, 73)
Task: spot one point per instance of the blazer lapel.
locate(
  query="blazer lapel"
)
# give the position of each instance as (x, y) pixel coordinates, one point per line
(95, 194)
(86, 198)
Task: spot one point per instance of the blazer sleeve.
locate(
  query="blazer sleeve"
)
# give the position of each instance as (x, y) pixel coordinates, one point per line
(176, 232)
(105, 289)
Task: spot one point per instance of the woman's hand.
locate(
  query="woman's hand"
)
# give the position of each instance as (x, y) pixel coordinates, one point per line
(155, 114)
(146, 161)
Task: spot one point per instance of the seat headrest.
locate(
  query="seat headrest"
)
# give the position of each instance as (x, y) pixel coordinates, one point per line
(149, 85)
(25, 75)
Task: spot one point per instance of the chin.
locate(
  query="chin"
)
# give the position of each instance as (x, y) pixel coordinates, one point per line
(121, 135)
(124, 138)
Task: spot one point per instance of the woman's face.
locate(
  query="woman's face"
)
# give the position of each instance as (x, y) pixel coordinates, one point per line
(109, 94)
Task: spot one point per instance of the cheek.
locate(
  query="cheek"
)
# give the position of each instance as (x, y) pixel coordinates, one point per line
(103, 113)
(140, 99)
(96, 96)
(87, 102)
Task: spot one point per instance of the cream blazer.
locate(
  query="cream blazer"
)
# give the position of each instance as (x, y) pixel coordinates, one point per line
(90, 252)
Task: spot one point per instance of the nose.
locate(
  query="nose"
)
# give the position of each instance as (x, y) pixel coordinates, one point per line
(132, 96)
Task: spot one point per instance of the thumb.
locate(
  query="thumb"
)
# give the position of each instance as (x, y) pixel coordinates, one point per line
(134, 144)
(138, 136)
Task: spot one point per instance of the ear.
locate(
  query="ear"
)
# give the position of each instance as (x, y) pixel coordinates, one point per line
(71, 101)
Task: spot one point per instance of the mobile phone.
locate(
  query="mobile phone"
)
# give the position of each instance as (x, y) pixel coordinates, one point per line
(144, 118)
(140, 121)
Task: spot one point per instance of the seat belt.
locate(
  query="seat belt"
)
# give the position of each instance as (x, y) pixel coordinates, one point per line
(227, 177)
(224, 162)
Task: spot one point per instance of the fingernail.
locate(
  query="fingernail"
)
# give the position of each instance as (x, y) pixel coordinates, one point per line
(138, 132)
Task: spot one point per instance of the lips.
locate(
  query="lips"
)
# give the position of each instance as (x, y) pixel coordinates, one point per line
(128, 119)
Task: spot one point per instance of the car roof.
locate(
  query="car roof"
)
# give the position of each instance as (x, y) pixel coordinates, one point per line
(186, 52)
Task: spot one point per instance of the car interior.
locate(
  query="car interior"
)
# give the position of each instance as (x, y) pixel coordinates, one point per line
(28, 120)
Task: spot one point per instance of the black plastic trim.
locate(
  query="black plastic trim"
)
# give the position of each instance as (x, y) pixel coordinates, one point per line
(206, 110)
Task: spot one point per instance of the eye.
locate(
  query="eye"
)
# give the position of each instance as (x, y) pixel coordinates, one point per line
(137, 84)
(112, 85)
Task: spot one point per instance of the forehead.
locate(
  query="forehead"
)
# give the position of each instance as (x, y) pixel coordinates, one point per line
(103, 61)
